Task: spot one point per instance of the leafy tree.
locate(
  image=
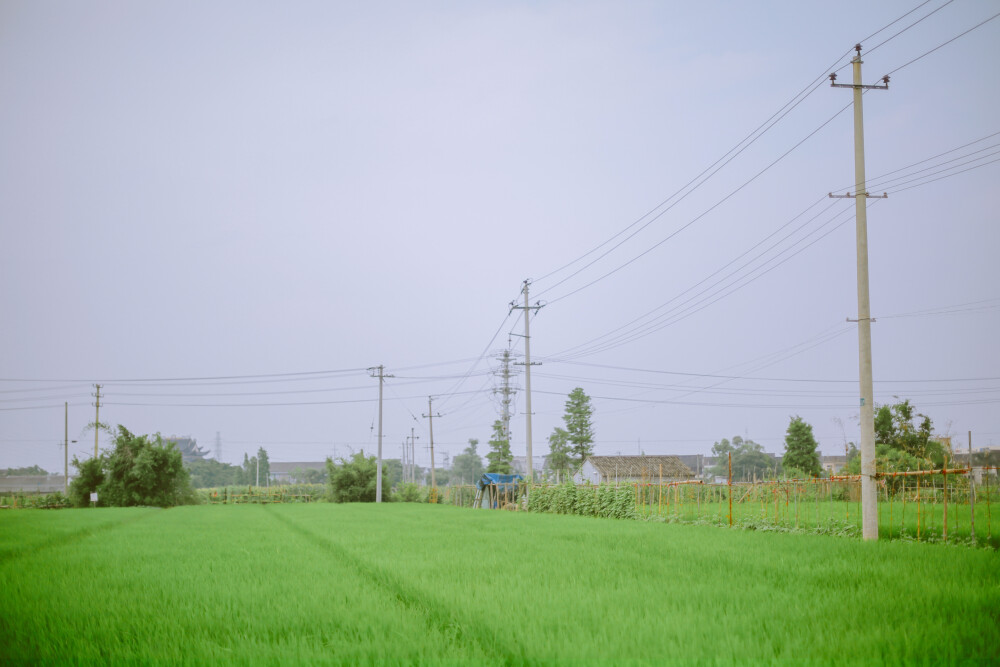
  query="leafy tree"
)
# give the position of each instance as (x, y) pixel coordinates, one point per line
(392, 470)
(559, 452)
(208, 473)
(139, 470)
(580, 431)
(749, 459)
(441, 476)
(467, 467)
(800, 448)
(354, 480)
(265, 466)
(311, 475)
(499, 456)
(901, 427)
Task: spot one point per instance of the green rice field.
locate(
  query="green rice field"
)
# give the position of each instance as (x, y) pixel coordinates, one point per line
(407, 583)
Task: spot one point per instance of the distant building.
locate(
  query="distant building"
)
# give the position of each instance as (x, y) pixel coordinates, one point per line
(188, 447)
(281, 471)
(833, 463)
(611, 469)
(32, 483)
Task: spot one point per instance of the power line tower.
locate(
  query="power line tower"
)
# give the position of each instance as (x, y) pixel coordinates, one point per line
(506, 391)
(869, 492)
(218, 447)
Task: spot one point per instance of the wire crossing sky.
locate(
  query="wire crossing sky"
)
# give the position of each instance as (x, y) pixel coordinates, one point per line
(225, 213)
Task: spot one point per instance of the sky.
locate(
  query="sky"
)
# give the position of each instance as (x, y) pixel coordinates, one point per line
(225, 213)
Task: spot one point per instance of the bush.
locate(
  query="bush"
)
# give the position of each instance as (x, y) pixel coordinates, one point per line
(408, 492)
(139, 471)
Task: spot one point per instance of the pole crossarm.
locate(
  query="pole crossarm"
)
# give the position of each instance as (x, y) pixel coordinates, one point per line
(869, 195)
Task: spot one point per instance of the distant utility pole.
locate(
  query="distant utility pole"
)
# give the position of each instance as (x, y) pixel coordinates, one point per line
(378, 468)
(97, 417)
(413, 456)
(527, 308)
(430, 425)
(66, 450)
(869, 493)
(218, 447)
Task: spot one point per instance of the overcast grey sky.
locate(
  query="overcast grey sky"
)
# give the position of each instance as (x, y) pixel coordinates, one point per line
(192, 191)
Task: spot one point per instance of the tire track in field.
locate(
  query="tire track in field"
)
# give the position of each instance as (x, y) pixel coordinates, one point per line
(441, 621)
(70, 538)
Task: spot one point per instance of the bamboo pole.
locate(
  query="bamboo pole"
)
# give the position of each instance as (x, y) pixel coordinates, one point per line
(945, 496)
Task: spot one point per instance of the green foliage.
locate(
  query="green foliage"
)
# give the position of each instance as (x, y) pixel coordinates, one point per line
(467, 467)
(21, 472)
(499, 457)
(559, 452)
(409, 492)
(311, 475)
(902, 428)
(354, 480)
(800, 448)
(265, 465)
(209, 473)
(749, 459)
(89, 477)
(605, 500)
(139, 470)
(579, 429)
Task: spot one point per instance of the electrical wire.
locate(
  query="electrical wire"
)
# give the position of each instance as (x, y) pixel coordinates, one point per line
(943, 44)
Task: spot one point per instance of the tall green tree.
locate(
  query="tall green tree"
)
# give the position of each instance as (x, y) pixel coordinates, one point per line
(800, 448)
(579, 427)
(265, 466)
(560, 457)
(499, 457)
(354, 480)
(467, 467)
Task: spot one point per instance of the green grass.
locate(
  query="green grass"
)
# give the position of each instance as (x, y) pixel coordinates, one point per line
(390, 584)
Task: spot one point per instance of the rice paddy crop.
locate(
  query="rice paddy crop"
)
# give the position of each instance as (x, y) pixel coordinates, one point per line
(349, 584)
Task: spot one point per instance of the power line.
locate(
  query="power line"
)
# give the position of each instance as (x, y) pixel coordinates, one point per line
(707, 211)
(943, 44)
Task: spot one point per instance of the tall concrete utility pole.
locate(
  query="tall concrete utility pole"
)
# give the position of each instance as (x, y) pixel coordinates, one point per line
(66, 448)
(527, 308)
(97, 418)
(869, 494)
(378, 468)
(430, 425)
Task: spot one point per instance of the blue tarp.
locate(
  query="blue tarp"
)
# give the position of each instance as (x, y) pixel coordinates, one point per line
(490, 478)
